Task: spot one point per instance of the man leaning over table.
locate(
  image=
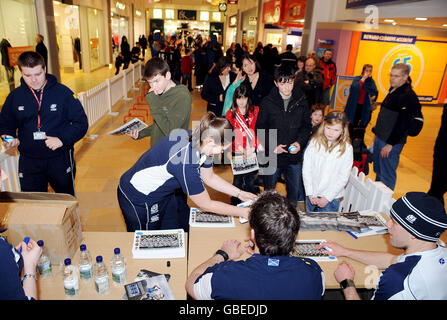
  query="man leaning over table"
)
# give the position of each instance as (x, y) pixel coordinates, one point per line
(417, 220)
(270, 273)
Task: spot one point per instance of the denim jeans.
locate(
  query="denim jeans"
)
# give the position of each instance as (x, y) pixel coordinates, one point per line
(186, 78)
(330, 207)
(292, 175)
(385, 168)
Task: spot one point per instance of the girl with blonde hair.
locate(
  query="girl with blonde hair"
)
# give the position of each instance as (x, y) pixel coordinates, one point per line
(327, 164)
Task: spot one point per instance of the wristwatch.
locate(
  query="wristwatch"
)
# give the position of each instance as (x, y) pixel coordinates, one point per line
(347, 283)
(223, 254)
(29, 275)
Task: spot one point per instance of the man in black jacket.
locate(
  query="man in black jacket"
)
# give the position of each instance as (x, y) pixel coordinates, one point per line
(394, 123)
(283, 127)
(44, 119)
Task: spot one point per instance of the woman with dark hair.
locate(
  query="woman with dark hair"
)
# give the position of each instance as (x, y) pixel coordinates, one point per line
(362, 95)
(242, 117)
(300, 64)
(178, 163)
(257, 82)
(216, 85)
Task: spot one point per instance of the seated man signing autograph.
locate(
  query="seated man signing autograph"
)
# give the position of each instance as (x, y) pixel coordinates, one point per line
(270, 273)
(417, 221)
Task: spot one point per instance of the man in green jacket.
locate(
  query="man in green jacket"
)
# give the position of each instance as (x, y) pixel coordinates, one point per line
(170, 103)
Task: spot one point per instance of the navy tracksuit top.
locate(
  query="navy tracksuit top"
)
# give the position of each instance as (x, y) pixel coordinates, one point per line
(61, 113)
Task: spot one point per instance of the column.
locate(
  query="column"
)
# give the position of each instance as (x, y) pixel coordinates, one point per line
(47, 27)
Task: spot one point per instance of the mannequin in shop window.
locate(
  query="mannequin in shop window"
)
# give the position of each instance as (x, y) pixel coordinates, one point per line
(5, 62)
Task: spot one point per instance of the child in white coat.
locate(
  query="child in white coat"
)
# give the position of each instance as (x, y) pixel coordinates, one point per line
(327, 164)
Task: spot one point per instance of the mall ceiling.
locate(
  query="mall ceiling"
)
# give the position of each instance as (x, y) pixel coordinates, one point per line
(436, 23)
(189, 2)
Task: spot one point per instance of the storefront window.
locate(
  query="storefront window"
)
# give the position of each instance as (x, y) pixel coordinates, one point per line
(120, 28)
(18, 28)
(169, 13)
(68, 36)
(95, 34)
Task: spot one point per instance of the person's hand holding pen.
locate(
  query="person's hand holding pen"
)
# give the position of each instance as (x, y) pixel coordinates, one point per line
(332, 248)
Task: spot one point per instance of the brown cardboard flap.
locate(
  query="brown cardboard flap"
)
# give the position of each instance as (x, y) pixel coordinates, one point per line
(34, 213)
(7, 196)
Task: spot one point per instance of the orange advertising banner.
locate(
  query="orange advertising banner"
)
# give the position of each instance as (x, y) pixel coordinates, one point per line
(15, 52)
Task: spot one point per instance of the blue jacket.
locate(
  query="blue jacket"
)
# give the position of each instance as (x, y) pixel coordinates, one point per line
(11, 266)
(62, 116)
(351, 105)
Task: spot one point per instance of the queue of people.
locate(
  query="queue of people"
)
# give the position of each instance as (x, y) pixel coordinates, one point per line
(278, 115)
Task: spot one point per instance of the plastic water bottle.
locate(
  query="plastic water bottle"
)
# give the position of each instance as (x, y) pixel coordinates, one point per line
(44, 263)
(101, 276)
(85, 263)
(71, 282)
(118, 266)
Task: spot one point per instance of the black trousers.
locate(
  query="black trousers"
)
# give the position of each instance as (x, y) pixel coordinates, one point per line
(59, 172)
(438, 185)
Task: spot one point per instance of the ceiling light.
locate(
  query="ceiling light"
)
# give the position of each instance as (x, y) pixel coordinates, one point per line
(388, 20)
(421, 19)
(444, 25)
(394, 23)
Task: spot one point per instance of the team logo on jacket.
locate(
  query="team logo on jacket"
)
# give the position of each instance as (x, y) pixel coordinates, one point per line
(53, 107)
(21, 108)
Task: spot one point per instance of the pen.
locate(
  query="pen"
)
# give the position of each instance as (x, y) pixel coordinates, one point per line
(26, 240)
(353, 235)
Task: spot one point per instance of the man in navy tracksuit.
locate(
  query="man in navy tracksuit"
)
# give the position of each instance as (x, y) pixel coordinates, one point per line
(44, 119)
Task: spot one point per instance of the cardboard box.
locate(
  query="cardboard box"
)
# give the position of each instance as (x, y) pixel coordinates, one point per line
(51, 217)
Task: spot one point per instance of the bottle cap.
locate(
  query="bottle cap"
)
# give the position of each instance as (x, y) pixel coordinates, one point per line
(67, 261)
(40, 243)
(99, 259)
(117, 250)
(83, 247)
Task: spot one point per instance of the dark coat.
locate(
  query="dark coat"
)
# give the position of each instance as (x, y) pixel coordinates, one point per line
(313, 88)
(212, 89)
(396, 112)
(351, 105)
(292, 125)
(262, 88)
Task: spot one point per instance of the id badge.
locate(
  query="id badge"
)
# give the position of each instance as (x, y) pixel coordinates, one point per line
(39, 135)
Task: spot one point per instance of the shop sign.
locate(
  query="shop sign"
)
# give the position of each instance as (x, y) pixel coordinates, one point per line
(233, 21)
(120, 6)
(94, 43)
(293, 10)
(280, 12)
(187, 15)
(382, 37)
(271, 12)
(252, 21)
(15, 52)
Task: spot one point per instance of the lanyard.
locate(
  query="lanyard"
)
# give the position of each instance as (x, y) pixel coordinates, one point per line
(39, 103)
